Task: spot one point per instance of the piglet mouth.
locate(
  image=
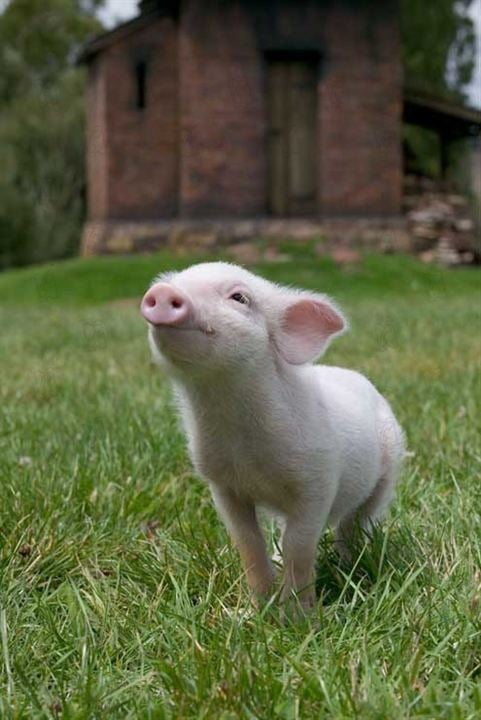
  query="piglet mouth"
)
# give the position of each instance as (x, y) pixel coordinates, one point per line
(201, 328)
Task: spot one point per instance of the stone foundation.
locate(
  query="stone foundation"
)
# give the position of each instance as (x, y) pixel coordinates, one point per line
(182, 236)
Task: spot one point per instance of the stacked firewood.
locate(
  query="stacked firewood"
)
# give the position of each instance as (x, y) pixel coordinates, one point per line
(441, 223)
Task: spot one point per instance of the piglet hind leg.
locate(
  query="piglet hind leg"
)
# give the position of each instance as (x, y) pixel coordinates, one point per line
(240, 519)
(358, 526)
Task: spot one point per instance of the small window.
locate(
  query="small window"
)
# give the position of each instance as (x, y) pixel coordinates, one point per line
(141, 85)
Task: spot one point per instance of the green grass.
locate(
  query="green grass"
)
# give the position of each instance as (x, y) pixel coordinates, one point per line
(120, 596)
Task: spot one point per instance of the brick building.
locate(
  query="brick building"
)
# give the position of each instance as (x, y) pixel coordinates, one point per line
(245, 112)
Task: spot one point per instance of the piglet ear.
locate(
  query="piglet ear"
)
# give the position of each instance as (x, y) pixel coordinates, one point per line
(307, 326)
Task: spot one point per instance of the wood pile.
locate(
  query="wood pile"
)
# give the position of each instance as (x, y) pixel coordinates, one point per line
(441, 223)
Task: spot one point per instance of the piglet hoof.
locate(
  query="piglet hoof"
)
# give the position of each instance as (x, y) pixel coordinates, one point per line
(266, 607)
(299, 607)
(262, 585)
(345, 550)
(263, 601)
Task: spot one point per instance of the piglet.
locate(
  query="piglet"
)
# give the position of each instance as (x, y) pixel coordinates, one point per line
(266, 428)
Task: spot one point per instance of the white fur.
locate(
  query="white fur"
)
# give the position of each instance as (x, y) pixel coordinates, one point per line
(312, 444)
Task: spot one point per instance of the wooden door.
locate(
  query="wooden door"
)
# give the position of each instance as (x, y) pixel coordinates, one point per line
(292, 137)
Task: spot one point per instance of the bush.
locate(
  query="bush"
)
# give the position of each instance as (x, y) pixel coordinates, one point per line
(42, 128)
(42, 184)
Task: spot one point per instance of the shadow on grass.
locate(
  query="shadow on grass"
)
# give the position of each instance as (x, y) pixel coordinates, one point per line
(392, 555)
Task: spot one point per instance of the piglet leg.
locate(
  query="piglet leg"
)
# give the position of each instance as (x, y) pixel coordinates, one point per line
(300, 537)
(241, 522)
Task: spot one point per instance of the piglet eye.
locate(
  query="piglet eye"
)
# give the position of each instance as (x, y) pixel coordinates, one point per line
(240, 298)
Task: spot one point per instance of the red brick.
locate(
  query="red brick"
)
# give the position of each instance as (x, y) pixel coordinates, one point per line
(198, 149)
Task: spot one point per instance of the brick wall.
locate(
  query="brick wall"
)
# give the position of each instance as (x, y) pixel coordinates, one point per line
(223, 164)
(133, 158)
(360, 115)
(223, 100)
(97, 170)
(198, 149)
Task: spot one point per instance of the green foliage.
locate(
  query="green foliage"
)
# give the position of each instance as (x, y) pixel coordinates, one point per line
(439, 45)
(439, 52)
(37, 41)
(42, 182)
(41, 128)
(120, 596)
(422, 151)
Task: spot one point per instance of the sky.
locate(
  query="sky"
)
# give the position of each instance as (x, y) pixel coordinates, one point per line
(116, 11)
(475, 87)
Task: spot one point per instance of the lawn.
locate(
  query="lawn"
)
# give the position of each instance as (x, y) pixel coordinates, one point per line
(120, 596)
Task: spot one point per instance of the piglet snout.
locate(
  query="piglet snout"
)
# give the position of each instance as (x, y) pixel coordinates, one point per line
(164, 304)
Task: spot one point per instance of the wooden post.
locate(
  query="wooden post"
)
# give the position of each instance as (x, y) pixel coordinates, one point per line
(444, 154)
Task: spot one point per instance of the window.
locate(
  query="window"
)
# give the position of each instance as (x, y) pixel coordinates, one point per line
(141, 84)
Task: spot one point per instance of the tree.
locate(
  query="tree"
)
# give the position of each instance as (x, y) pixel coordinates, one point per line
(439, 50)
(42, 128)
(439, 45)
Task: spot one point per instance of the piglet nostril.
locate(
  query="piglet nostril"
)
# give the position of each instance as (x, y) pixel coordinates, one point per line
(150, 301)
(176, 303)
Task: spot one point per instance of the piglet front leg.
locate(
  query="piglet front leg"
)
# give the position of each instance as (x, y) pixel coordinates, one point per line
(239, 517)
(300, 536)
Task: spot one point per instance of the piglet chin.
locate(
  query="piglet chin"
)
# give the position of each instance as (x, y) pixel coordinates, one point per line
(160, 329)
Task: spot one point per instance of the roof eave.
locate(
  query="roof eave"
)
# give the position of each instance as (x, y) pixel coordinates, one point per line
(99, 42)
(440, 113)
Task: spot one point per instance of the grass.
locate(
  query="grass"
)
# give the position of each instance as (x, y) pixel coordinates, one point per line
(120, 596)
